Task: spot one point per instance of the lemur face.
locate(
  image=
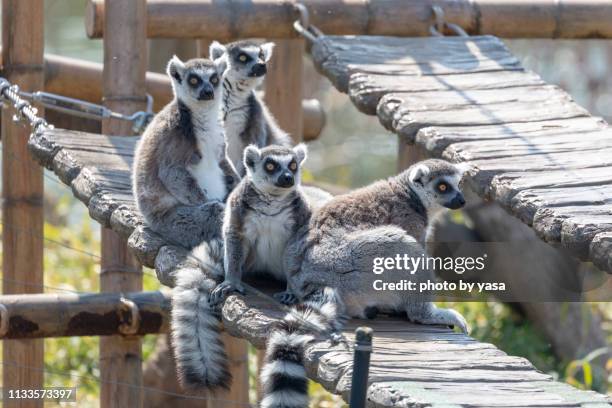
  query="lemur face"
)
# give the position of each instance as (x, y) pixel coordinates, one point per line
(274, 169)
(247, 61)
(197, 80)
(437, 183)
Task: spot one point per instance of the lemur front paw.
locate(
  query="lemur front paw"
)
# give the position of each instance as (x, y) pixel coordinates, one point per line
(286, 298)
(222, 290)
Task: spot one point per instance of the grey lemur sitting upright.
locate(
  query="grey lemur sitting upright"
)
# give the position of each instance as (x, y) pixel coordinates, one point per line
(263, 212)
(181, 173)
(245, 116)
(389, 217)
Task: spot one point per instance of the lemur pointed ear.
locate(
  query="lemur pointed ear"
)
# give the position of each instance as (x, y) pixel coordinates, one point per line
(267, 49)
(220, 65)
(301, 151)
(418, 173)
(216, 50)
(175, 68)
(251, 155)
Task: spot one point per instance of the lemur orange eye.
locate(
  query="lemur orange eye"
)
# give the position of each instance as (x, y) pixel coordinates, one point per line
(214, 79)
(293, 166)
(442, 187)
(193, 81)
(270, 166)
(242, 57)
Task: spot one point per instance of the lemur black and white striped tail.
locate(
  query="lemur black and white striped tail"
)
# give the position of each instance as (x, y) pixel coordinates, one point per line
(284, 381)
(199, 353)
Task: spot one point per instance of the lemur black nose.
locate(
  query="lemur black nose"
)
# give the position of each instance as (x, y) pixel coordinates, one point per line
(457, 202)
(285, 180)
(258, 70)
(206, 94)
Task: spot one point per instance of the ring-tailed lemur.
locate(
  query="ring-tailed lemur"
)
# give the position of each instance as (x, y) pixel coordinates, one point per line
(262, 210)
(182, 174)
(262, 214)
(389, 217)
(283, 376)
(335, 250)
(246, 119)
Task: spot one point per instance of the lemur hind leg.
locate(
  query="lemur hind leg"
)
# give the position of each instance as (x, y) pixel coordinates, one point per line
(189, 226)
(345, 261)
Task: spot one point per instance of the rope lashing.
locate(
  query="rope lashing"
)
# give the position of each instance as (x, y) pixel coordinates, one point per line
(440, 25)
(25, 110)
(71, 106)
(302, 24)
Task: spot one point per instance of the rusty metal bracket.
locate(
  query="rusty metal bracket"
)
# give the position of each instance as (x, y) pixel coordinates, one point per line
(129, 317)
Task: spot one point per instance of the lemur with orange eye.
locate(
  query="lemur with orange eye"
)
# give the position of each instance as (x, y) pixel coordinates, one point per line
(245, 116)
(182, 174)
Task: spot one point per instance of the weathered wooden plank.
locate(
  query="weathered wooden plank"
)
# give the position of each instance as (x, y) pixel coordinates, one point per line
(574, 227)
(462, 394)
(489, 168)
(366, 90)
(506, 185)
(407, 122)
(436, 140)
(600, 251)
(340, 57)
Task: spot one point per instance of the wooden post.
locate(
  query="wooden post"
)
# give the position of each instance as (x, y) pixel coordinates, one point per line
(284, 86)
(22, 190)
(125, 65)
(408, 154)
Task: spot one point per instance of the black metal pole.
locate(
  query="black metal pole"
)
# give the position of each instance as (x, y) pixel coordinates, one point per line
(361, 366)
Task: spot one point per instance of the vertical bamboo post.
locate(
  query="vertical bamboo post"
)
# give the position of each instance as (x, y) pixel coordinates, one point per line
(237, 349)
(22, 190)
(284, 83)
(408, 154)
(125, 65)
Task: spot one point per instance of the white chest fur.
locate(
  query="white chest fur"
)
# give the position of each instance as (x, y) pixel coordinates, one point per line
(268, 237)
(235, 122)
(234, 126)
(207, 171)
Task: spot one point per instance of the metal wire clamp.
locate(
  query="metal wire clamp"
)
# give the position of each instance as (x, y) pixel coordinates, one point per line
(302, 24)
(440, 25)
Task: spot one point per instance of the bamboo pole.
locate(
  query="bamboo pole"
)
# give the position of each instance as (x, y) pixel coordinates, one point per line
(125, 65)
(22, 189)
(95, 314)
(274, 18)
(283, 86)
(408, 154)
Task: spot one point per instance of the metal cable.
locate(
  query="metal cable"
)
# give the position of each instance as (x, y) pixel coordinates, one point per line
(71, 106)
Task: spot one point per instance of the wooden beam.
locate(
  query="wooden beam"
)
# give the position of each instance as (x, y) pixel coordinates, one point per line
(95, 314)
(125, 66)
(283, 86)
(22, 189)
(274, 19)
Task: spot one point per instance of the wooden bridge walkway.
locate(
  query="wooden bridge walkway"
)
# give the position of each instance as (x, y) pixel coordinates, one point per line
(536, 152)
(412, 365)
